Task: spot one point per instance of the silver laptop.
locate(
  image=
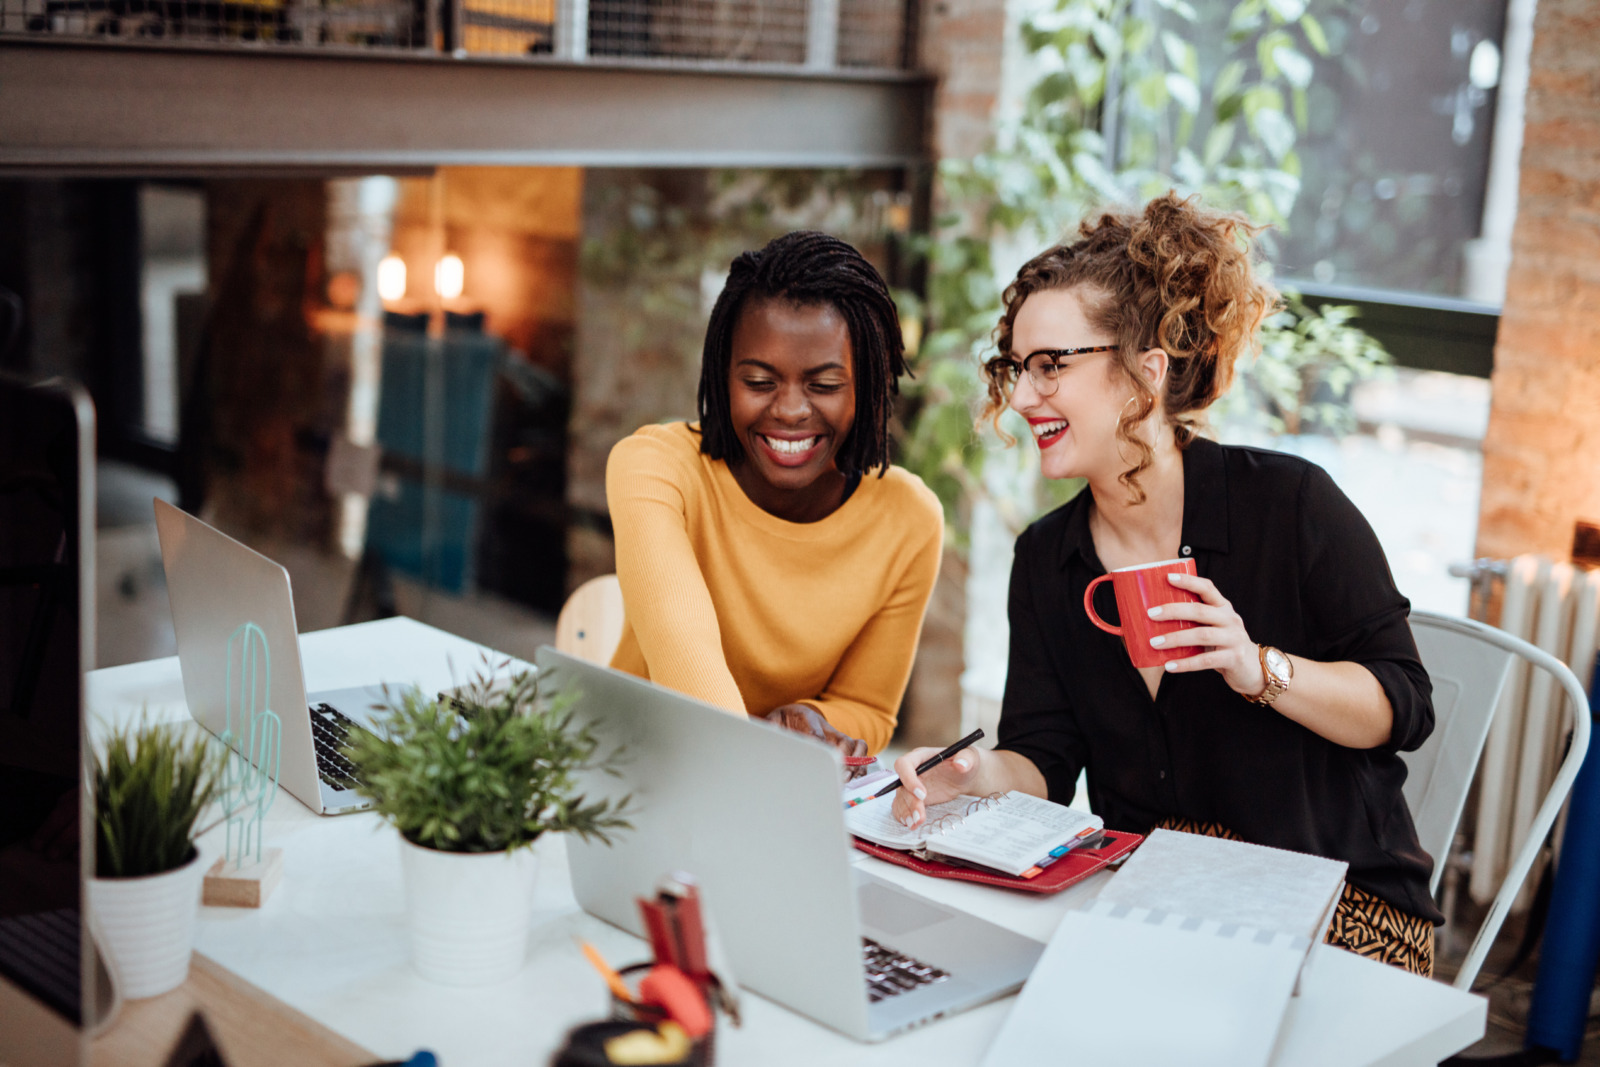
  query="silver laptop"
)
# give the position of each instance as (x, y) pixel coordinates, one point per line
(215, 584)
(754, 813)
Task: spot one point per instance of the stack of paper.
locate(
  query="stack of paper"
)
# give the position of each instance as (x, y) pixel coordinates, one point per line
(1231, 882)
(1151, 988)
(1188, 956)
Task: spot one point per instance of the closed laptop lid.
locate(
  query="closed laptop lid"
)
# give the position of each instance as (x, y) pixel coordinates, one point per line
(216, 585)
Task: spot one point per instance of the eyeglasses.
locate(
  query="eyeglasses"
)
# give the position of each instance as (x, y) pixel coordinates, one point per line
(1043, 367)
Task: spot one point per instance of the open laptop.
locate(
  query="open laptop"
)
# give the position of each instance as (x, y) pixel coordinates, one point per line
(216, 584)
(753, 813)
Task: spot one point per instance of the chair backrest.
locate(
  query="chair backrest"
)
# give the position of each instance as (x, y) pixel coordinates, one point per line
(1469, 664)
(1468, 674)
(590, 623)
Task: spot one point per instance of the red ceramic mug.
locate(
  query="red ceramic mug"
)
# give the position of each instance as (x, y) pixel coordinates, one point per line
(1138, 589)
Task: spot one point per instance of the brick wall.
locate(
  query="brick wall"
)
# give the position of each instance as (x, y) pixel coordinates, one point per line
(1541, 469)
(963, 43)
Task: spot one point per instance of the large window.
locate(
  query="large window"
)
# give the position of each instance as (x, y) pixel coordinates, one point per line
(1396, 154)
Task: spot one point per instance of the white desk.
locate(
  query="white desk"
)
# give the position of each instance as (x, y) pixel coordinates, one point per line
(331, 941)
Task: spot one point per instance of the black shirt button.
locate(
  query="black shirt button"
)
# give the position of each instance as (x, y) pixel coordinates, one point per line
(1163, 775)
(1186, 550)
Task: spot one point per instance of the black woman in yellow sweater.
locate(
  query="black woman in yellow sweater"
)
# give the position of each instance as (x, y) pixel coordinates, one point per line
(772, 561)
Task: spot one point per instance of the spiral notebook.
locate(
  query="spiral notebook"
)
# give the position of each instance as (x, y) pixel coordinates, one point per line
(1214, 931)
(1013, 833)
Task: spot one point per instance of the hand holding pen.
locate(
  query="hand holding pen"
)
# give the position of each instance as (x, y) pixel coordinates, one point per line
(956, 771)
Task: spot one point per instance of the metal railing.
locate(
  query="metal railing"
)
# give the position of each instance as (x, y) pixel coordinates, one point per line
(815, 35)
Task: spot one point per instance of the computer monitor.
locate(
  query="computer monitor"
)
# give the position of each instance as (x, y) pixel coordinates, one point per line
(47, 507)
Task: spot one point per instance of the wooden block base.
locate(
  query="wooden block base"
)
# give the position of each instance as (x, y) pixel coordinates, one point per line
(227, 886)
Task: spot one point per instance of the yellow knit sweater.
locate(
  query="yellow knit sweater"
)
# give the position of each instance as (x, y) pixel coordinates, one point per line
(748, 611)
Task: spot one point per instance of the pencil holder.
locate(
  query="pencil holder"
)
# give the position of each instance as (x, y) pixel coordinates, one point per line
(702, 1052)
(586, 1045)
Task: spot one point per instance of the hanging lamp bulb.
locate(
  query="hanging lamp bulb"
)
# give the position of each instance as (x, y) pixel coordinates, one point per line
(449, 276)
(391, 278)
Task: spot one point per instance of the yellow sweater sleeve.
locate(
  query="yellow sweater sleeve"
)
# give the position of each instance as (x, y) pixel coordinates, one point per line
(665, 594)
(863, 696)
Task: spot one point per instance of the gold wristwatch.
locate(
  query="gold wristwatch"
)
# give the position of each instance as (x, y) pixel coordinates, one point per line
(1278, 671)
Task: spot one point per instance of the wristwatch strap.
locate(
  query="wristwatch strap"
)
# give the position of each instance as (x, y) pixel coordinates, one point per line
(1275, 685)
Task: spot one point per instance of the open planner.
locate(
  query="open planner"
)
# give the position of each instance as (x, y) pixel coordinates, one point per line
(1012, 833)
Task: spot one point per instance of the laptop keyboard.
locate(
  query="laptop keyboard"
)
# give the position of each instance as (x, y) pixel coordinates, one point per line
(328, 730)
(890, 973)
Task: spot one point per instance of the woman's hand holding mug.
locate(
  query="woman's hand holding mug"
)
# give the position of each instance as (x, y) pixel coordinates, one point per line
(1139, 589)
(945, 782)
(1168, 610)
(1217, 629)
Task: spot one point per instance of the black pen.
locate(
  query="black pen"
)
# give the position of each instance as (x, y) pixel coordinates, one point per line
(933, 761)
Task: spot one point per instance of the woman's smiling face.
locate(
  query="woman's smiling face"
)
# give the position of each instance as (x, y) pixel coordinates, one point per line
(791, 392)
(1076, 426)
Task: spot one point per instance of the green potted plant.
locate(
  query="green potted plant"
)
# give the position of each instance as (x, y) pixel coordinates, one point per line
(151, 785)
(471, 783)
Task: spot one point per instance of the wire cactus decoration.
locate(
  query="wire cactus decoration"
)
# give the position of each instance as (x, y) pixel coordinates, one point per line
(254, 735)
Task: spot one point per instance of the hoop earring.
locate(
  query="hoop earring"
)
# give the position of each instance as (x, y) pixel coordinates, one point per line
(1119, 439)
(1120, 442)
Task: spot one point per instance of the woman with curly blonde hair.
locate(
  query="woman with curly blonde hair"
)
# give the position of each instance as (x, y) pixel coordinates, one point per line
(1283, 722)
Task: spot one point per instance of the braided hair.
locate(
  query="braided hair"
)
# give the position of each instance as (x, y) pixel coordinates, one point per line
(810, 269)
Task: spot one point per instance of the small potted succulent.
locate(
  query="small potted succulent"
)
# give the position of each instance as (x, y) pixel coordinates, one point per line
(151, 785)
(471, 782)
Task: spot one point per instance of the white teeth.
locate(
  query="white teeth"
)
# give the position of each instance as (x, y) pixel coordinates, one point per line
(789, 447)
(1044, 429)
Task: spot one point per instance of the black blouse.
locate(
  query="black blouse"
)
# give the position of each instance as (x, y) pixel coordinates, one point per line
(1306, 574)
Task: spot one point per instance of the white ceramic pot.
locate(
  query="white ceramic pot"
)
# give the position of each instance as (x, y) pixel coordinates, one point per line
(147, 924)
(468, 912)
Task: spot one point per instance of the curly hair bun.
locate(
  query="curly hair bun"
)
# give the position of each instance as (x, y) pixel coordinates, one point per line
(1173, 276)
(1208, 302)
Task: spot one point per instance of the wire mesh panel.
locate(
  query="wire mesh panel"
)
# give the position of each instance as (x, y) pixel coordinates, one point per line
(508, 27)
(376, 23)
(762, 31)
(871, 33)
(358, 23)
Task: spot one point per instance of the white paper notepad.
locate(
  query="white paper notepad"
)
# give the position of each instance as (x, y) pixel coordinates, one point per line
(1120, 985)
(1230, 881)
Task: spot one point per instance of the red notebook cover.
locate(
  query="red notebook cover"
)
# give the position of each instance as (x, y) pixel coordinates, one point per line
(1069, 870)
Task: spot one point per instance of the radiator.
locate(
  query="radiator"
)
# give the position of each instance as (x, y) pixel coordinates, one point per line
(1556, 607)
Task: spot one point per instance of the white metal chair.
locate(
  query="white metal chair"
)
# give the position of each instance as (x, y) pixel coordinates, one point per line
(590, 623)
(1469, 664)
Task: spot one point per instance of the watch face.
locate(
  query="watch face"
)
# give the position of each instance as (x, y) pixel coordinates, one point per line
(1278, 664)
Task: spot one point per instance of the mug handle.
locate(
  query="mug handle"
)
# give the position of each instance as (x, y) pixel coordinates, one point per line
(1088, 606)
